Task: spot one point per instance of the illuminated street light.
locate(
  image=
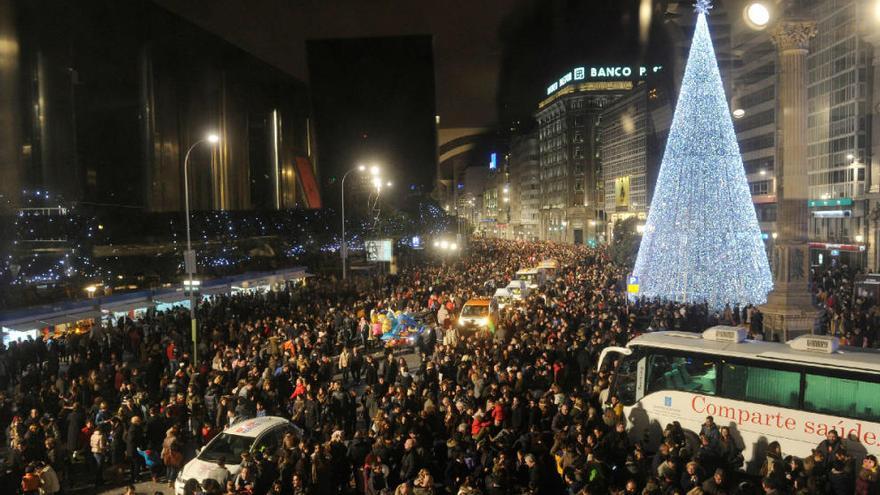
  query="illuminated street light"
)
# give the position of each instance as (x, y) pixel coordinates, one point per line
(757, 15)
(739, 113)
(343, 248)
(860, 238)
(189, 258)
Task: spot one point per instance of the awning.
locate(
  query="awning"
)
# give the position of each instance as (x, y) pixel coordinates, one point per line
(52, 319)
(126, 306)
(70, 318)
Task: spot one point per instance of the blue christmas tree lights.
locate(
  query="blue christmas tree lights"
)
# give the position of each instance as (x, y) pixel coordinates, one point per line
(701, 241)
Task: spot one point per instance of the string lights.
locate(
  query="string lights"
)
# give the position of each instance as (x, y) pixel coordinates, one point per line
(702, 241)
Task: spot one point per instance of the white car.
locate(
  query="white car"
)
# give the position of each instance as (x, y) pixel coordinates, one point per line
(250, 435)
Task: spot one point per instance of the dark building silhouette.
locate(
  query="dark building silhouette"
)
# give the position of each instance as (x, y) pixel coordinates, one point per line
(101, 100)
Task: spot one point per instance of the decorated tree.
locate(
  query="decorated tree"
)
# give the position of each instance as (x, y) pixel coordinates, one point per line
(702, 242)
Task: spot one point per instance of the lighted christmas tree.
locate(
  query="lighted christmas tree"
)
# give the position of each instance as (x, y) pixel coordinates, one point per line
(702, 242)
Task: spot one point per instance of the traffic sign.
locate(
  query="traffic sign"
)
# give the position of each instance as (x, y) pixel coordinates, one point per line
(632, 284)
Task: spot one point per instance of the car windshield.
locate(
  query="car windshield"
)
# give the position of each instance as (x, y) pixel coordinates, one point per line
(228, 446)
(472, 310)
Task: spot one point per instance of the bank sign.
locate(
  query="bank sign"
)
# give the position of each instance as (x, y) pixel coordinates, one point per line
(601, 73)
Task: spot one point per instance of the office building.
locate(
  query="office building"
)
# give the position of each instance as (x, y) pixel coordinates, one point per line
(525, 186)
(838, 144)
(632, 141)
(753, 105)
(572, 191)
(113, 94)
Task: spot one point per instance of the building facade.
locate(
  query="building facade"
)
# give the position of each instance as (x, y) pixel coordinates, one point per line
(754, 108)
(109, 96)
(633, 137)
(840, 90)
(525, 186)
(838, 141)
(570, 168)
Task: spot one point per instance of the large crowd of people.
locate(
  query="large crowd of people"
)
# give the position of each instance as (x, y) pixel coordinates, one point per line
(520, 410)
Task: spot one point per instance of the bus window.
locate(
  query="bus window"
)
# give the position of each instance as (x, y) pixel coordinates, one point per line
(763, 385)
(628, 376)
(842, 397)
(681, 373)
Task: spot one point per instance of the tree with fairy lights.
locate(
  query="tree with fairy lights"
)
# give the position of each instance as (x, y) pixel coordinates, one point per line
(702, 242)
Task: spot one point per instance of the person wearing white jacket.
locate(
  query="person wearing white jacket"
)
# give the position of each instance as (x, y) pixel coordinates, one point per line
(49, 483)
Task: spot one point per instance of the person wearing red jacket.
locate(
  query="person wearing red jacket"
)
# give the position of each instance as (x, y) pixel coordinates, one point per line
(478, 424)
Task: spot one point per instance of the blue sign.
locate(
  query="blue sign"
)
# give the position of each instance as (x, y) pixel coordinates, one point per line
(416, 242)
(632, 280)
(493, 161)
(835, 252)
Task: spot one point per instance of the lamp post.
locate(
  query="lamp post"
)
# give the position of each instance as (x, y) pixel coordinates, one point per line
(343, 248)
(189, 258)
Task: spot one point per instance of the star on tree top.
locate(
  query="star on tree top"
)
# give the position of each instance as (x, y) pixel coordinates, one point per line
(703, 6)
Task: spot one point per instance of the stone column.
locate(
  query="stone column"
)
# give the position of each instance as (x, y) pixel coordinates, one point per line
(789, 311)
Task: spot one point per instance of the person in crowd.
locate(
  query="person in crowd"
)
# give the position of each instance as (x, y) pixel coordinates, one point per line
(524, 411)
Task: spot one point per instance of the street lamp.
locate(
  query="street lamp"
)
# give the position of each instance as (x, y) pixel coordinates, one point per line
(757, 15)
(343, 248)
(189, 258)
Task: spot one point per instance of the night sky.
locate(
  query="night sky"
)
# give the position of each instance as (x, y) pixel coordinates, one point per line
(374, 104)
(492, 60)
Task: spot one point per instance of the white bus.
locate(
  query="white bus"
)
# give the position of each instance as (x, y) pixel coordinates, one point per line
(793, 393)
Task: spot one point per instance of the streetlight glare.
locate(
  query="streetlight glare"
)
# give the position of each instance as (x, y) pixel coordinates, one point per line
(213, 138)
(739, 113)
(361, 168)
(757, 15)
(374, 170)
(388, 183)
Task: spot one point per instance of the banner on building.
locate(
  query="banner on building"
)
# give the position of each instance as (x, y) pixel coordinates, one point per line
(621, 191)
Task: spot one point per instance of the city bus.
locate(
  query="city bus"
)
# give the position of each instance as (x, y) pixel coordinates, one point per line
(792, 392)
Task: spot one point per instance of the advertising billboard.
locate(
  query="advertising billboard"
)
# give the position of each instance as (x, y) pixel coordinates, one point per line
(378, 249)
